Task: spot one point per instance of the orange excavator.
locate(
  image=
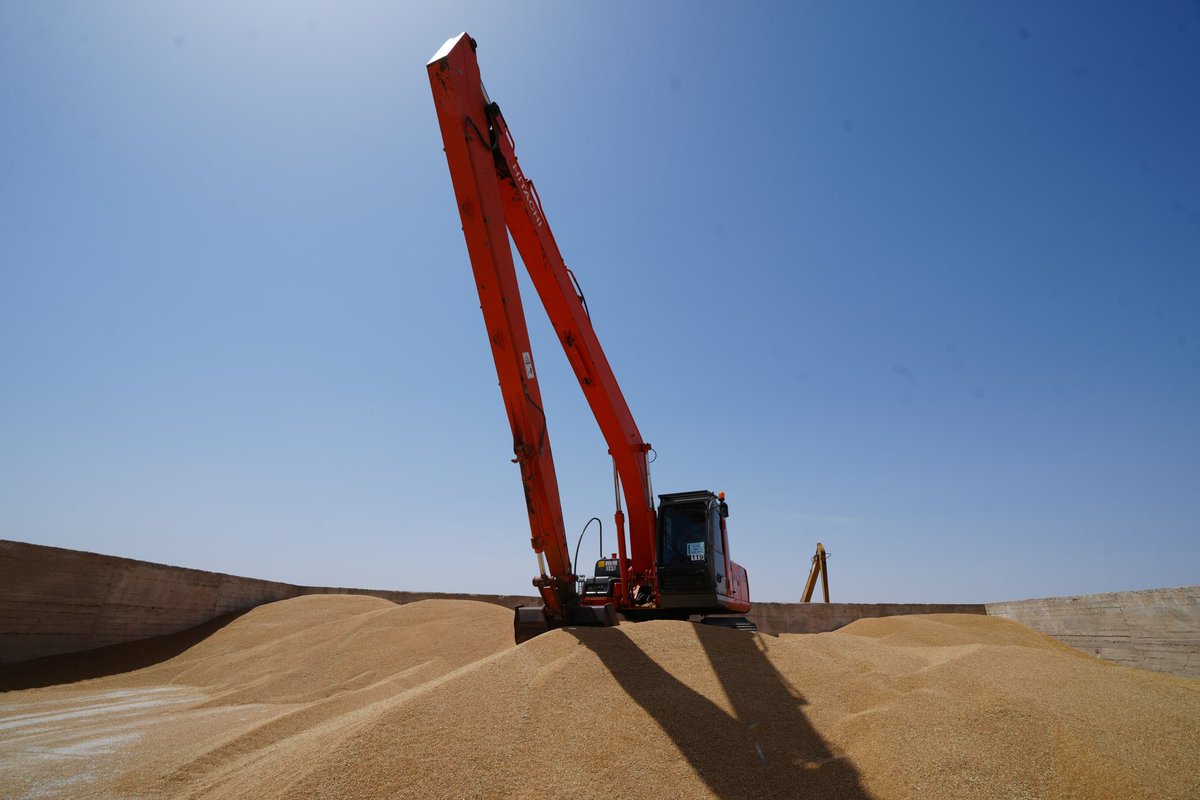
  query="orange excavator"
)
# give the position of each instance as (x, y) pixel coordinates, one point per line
(676, 562)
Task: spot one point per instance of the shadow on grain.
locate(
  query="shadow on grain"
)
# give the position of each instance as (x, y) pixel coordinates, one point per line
(765, 748)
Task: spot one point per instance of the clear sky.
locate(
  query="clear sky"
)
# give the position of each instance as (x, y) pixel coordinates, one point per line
(918, 281)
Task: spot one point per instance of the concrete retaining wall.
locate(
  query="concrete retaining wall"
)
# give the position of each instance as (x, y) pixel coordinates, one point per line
(60, 601)
(1157, 629)
(823, 617)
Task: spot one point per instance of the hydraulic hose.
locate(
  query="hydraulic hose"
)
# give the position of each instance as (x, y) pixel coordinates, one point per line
(575, 562)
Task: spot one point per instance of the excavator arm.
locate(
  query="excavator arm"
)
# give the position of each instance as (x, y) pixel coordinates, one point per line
(819, 567)
(496, 200)
(462, 113)
(564, 305)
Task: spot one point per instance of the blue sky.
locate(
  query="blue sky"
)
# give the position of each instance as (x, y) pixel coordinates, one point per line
(921, 282)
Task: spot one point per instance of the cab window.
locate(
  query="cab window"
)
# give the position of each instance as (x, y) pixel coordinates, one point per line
(684, 536)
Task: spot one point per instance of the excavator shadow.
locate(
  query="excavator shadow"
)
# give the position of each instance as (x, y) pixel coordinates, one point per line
(765, 748)
(105, 661)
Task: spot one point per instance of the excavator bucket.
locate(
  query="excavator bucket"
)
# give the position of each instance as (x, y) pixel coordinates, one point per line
(530, 621)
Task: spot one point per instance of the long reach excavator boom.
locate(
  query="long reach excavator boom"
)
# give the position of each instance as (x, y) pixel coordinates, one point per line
(676, 562)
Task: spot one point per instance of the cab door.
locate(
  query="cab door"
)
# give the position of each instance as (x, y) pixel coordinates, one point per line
(716, 548)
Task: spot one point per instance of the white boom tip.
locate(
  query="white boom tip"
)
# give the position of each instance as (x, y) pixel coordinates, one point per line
(445, 49)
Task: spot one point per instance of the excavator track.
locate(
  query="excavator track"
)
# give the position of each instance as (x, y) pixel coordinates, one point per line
(737, 623)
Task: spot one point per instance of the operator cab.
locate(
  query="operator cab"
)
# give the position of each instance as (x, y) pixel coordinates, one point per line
(694, 570)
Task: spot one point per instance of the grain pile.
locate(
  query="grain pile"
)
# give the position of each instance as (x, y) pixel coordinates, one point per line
(348, 697)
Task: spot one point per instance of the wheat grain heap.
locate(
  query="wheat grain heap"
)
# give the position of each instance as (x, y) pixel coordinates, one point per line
(354, 697)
